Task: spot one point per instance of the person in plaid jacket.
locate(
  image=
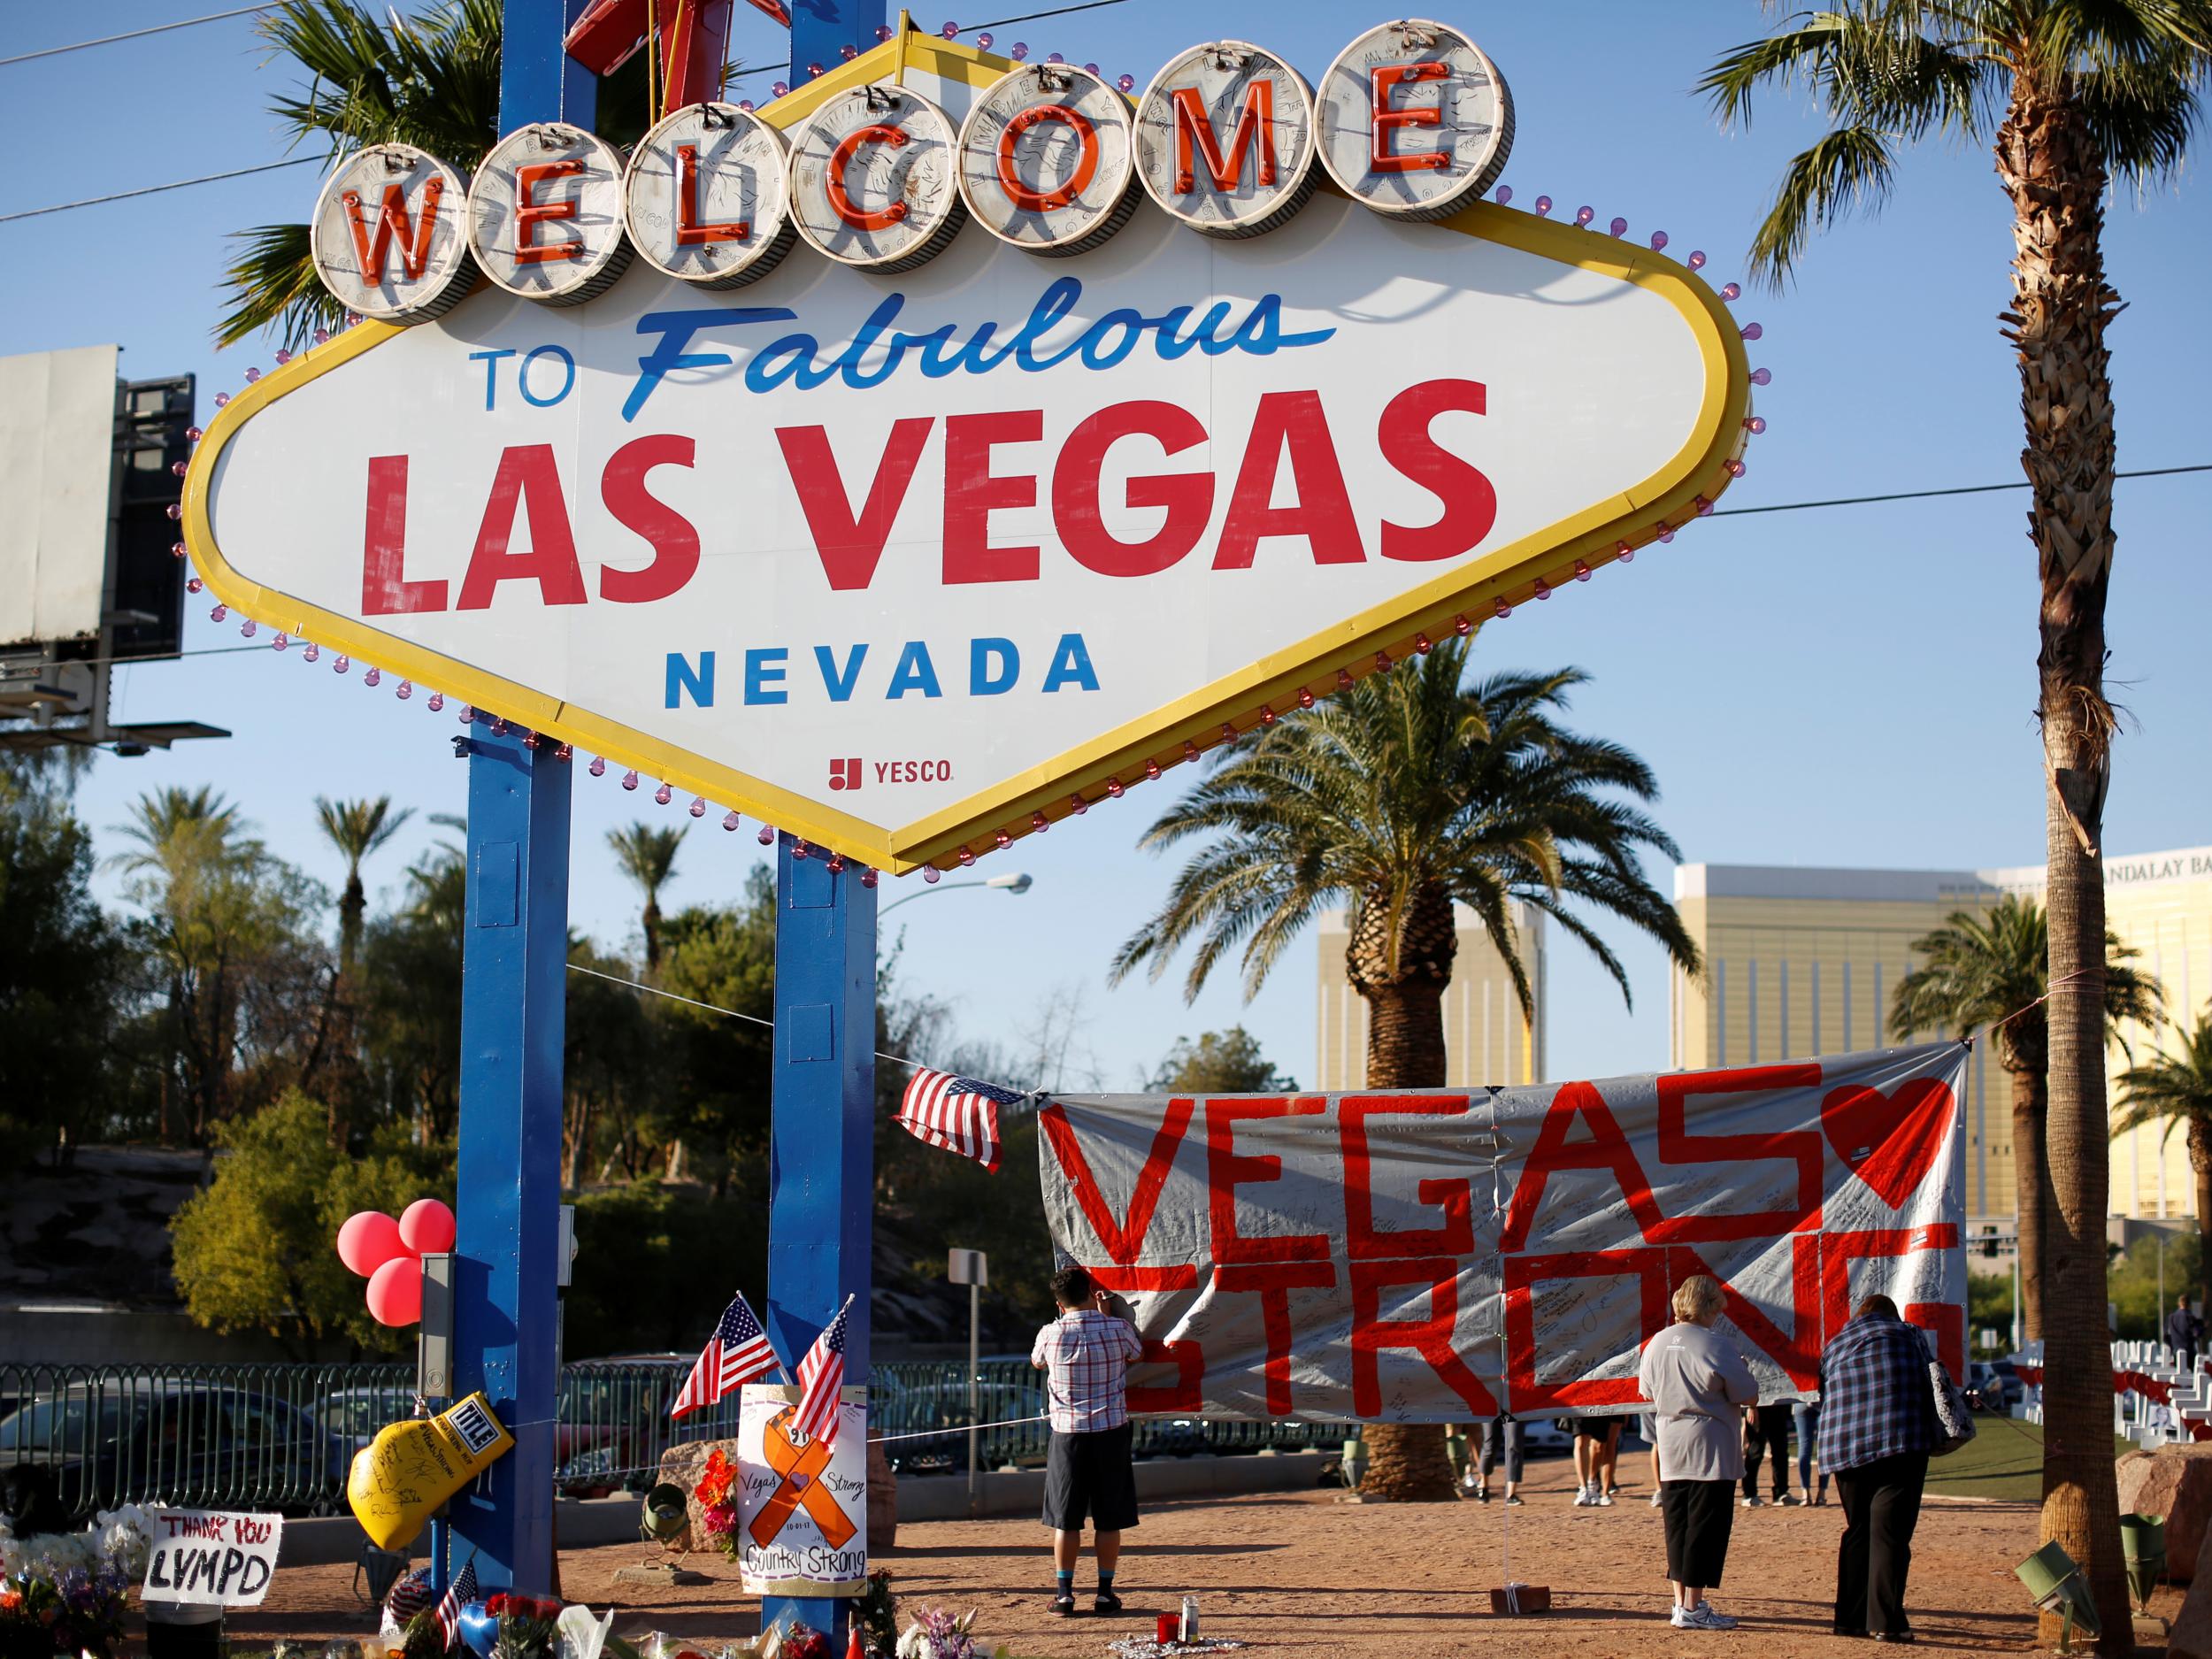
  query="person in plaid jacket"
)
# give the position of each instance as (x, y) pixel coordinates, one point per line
(1089, 1471)
(1878, 1425)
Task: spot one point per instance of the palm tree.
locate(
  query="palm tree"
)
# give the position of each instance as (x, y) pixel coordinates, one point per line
(648, 856)
(1406, 794)
(177, 834)
(1993, 970)
(357, 828)
(2178, 1089)
(2069, 94)
(431, 80)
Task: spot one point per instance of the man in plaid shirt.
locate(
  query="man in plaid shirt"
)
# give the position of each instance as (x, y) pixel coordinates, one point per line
(1086, 1355)
(1878, 1425)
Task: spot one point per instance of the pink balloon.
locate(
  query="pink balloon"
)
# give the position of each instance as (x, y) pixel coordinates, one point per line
(368, 1241)
(396, 1292)
(426, 1227)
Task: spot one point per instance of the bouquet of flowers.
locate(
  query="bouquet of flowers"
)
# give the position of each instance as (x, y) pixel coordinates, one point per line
(718, 1498)
(937, 1634)
(66, 1592)
(527, 1628)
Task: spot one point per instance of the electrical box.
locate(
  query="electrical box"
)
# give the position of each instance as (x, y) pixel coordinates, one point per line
(433, 1349)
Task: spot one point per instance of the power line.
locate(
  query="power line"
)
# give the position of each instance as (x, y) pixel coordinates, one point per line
(158, 28)
(1922, 494)
(156, 189)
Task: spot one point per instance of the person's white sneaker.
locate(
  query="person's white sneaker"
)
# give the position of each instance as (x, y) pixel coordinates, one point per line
(1604, 1499)
(1704, 1616)
(1751, 1503)
(1583, 1497)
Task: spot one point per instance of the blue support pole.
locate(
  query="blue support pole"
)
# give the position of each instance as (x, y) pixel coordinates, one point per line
(821, 1158)
(538, 81)
(513, 990)
(821, 29)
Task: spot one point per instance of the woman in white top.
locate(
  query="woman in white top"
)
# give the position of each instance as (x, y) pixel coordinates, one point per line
(1696, 1381)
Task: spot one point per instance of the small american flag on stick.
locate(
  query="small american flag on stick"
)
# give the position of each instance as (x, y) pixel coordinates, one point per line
(457, 1595)
(956, 1113)
(736, 1353)
(821, 1377)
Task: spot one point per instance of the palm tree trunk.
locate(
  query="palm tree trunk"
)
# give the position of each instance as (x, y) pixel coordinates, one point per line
(2201, 1166)
(2030, 1189)
(1405, 1049)
(2048, 162)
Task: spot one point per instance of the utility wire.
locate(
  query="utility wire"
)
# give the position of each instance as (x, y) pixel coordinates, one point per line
(158, 28)
(750, 1019)
(1922, 494)
(156, 189)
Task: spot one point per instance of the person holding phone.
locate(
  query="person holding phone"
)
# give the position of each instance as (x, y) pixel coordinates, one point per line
(1089, 1469)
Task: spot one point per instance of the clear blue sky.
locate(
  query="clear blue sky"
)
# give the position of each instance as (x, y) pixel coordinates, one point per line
(1845, 687)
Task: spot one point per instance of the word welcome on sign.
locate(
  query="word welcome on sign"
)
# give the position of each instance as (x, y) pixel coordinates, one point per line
(1440, 1256)
(213, 1557)
(1413, 120)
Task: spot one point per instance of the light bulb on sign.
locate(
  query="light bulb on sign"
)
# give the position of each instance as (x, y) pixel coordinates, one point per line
(252, 375)
(322, 336)
(837, 863)
(1152, 770)
(930, 874)
(221, 398)
(1697, 259)
(868, 877)
(1462, 626)
(984, 39)
(698, 806)
(564, 753)
(1423, 644)
(345, 663)
(1114, 787)
(1503, 609)
(730, 820)
(1582, 572)
(1735, 468)
(1020, 52)
(883, 32)
(1039, 822)
(1753, 331)
(1658, 241)
(663, 795)
(1731, 291)
(193, 585)
(282, 356)
(1543, 588)
(1305, 698)
(193, 435)
(1505, 195)
(598, 767)
(173, 511)
(799, 850)
(282, 640)
(1383, 662)
(218, 613)
(436, 703)
(312, 651)
(848, 52)
(951, 31)
(1078, 805)
(1619, 226)
(1755, 425)
(1543, 206)
(374, 677)
(1126, 83)
(629, 780)
(767, 837)
(967, 859)
(1762, 377)
(1584, 214)
(1190, 750)
(406, 690)
(777, 89)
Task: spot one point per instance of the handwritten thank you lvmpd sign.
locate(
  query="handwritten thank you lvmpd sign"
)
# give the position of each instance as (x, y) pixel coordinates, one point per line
(213, 1557)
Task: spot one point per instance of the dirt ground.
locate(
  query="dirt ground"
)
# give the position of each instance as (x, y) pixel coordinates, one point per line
(1310, 1573)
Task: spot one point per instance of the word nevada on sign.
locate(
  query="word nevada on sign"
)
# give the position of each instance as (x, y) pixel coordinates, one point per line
(752, 465)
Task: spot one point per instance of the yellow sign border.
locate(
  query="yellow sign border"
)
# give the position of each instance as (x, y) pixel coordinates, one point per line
(1467, 595)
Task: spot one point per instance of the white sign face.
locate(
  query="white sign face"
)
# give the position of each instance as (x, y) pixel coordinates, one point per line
(912, 564)
(704, 199)
(1045, 160)
(873, 180)
(1414, 120)
(1224, 140)
(899, 565)
(545, 214)
(388, 236)
(211, 1557)
(802, 1505)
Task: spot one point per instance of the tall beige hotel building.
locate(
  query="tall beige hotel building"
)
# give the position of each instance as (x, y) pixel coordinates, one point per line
(1803, 961)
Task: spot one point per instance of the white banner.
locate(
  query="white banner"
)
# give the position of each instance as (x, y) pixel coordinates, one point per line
(802, 1505)
(1437, 1256)
(213, 1557)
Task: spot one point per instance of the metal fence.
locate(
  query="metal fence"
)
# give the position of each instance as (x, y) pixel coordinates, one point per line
(281, 1437)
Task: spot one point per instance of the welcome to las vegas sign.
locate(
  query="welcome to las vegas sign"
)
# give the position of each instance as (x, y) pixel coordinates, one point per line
(953, 443)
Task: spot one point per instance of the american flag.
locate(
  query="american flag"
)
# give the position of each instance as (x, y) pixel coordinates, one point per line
(821, 1375)
(956, 1113)
(736, 1353)
(457, 1595)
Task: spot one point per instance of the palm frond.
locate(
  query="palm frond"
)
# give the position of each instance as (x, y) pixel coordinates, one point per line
(1850, 168)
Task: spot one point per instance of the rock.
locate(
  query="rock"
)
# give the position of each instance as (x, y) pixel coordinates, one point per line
(2175, 1483)
(682, 1466)
(2190, 1637)
(883, 1502)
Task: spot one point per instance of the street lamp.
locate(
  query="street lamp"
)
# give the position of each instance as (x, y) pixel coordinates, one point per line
(1020, 883)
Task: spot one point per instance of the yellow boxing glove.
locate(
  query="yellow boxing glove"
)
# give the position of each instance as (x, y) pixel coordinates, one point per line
(411, 1468)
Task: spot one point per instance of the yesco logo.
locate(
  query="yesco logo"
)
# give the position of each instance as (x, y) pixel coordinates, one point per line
(849, 774)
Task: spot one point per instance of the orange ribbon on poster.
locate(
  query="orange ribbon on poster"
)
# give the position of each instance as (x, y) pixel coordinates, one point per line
(799, 1468)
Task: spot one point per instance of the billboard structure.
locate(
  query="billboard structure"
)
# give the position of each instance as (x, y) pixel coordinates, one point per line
(756, 469)
(91, 571)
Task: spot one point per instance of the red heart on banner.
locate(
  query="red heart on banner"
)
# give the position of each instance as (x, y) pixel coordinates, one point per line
(1890, 1141)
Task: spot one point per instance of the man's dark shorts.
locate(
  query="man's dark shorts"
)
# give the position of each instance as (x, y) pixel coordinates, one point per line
(1597, 1428)
(1091, 1474)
